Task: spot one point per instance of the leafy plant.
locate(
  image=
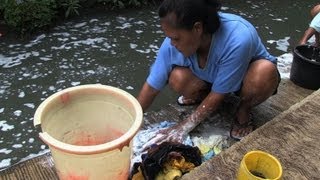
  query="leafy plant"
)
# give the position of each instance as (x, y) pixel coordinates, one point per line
(27, 16)
(123, 3)
(113, 3)
(71, 7)
(134, 3)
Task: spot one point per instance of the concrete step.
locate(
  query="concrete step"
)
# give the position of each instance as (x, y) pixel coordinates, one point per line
(42, 167)
(292, 137)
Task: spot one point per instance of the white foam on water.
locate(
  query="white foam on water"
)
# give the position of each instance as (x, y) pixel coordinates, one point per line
(140, 23)
(224, 8)
(63, 39)
(97, 29)
(52, 88)
(63, 34)
(17, 113)
(129, 87)
(34, 53)
(75, 83)
(80, 25)
(21, 94)
(8, 62)
(94, 20)
(5, 162)
(124, 26)
(284, 65)
(60, 82)
(5, 151)
(89, 72)
(279, 19)
(5, 127)
(282, 44)
(133, 46)
(46, 58)
(31, 140)
(145, 51)
(36, 76)
(106, 24)
(29, 105)
(26, 74)
(16, 146)
(36, 41)
(18, 135)
(88, 41)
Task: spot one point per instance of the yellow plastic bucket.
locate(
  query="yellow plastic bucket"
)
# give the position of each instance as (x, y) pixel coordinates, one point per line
(258, 165)
(89, 130)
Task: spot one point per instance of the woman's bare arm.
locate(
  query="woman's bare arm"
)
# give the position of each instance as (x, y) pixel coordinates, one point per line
(147, 95)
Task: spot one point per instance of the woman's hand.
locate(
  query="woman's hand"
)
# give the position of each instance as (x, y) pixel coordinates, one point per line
(177, 133)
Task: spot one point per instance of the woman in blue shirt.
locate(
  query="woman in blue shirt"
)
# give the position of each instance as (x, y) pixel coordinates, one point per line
(206, 55)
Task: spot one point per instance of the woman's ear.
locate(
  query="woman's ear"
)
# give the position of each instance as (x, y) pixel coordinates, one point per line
(197, 27)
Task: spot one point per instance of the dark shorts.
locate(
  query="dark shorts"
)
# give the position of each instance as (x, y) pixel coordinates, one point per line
(279, 80)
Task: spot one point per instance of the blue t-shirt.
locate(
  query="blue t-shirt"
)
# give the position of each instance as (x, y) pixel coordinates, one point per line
(233, 46)
(315, 23)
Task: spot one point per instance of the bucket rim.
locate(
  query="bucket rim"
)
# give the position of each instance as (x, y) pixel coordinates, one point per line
(119, 143)
(296, 52)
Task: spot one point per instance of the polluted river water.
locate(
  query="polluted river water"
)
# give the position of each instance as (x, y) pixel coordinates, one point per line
(111, 48)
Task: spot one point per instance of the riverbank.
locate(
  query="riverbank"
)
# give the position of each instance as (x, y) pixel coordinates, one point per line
(16, 27)
(274, 113)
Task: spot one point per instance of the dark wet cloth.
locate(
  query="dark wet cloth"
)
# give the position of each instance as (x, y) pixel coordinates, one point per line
(154, 160)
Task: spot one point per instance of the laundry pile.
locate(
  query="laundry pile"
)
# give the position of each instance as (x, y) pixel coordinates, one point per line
(169, 161)
(166, 161)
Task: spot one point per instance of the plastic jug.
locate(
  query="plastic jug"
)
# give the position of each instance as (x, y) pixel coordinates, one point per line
(258, 165)
(89, 129)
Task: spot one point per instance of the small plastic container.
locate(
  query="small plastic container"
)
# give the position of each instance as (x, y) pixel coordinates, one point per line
(259, 165)
(89, 129)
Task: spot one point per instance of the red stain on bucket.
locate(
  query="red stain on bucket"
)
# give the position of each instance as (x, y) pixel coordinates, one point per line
(123, 175)
(87, 139)
(72, 176)
(65, 98)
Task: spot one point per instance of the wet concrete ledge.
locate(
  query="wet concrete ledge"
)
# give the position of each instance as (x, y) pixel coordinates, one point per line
(289, 134)
(292, 136)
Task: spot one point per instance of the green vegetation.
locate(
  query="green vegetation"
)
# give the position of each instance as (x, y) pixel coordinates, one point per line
(28, 16)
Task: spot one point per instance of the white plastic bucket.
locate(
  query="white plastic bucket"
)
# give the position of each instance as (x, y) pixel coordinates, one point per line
(89, 129)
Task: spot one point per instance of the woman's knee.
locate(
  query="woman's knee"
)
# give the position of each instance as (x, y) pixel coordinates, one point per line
(183, 81)
(261, 81)
(179, 77)
(262, 72)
